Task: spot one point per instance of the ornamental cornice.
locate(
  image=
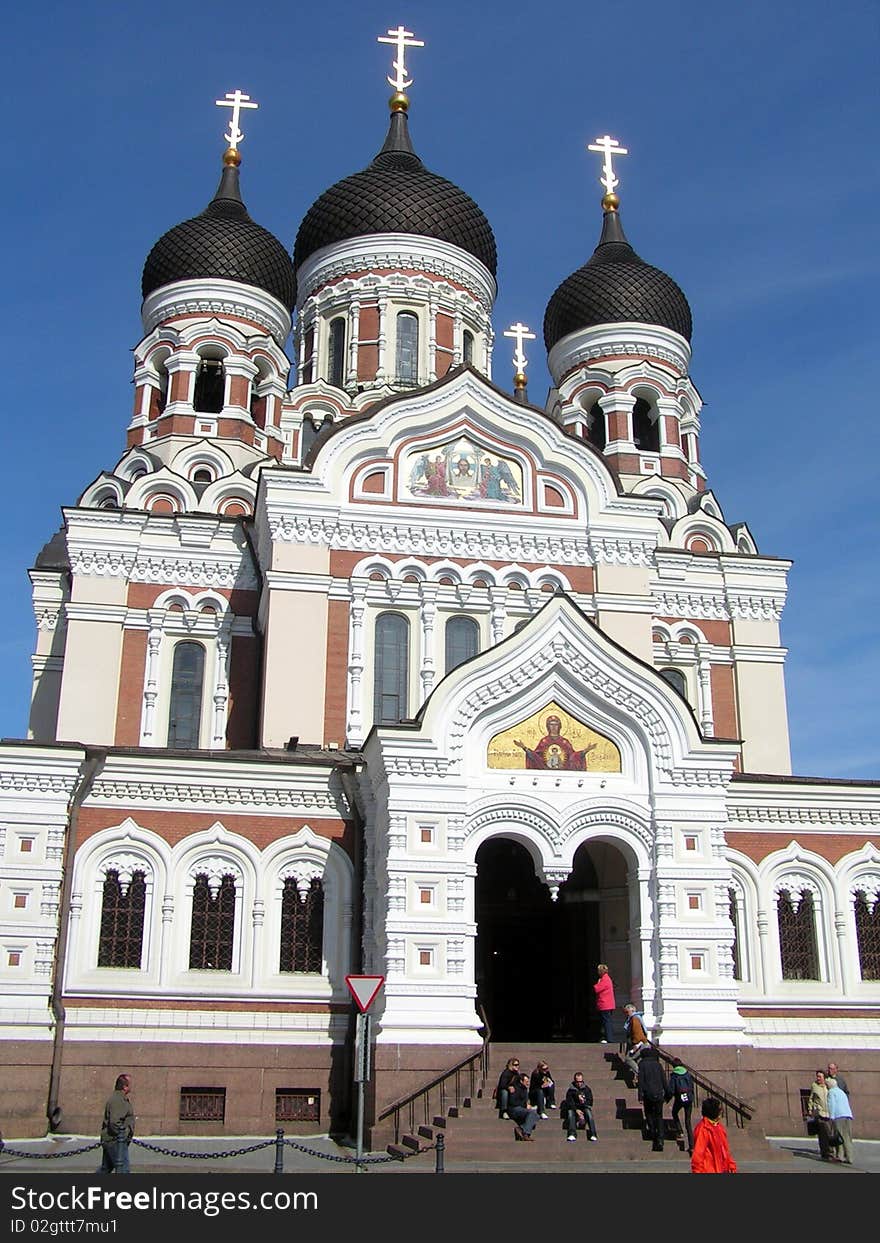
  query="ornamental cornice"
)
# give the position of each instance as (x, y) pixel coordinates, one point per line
(229, 797)
(141, 567)
(403, 765)
(37, 783)
(685, 603)
(755, 607)
(602, 818)
(515, 816)
(471, 542)
(618, 551)
(47, 619)
(216, 298)
(619, 340)
(824, 816)
(394, 251)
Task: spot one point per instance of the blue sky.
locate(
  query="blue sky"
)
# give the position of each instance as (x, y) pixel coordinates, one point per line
(752, 179)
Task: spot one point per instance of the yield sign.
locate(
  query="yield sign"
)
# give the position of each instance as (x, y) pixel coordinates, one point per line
(364, 989)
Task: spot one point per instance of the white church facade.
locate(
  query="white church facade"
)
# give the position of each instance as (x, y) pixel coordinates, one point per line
(363, 664)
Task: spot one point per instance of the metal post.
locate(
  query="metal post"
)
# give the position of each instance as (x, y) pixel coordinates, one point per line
(362, 1063)
(440, 1152)
(279, 1152)
(121, 1159)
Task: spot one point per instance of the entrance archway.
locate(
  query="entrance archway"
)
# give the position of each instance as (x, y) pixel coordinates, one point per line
(535, 958)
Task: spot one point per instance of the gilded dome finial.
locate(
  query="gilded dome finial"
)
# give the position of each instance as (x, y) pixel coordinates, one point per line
(401, 39)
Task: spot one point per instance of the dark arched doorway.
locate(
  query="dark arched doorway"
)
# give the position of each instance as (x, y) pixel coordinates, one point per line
(535, 958)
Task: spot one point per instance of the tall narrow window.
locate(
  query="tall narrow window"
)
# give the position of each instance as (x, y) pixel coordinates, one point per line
(596, 433)
(302, 926)
(467, 347)
(797, 935)
(336, 352)
(462, 641)
(646, 430)
(210, 386)
(867, 913)
(213, 925)
(675, 678)
(185, 707)
(735, 948)
(407, 361)
(120, 941)
(391, 669)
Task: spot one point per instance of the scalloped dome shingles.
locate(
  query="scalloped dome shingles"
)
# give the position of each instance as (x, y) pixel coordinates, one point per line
(222, 243)
(396, 194)
(614, 286)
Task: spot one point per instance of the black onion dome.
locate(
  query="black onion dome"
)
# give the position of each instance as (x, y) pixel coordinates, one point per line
(222, 243)
(616, 286)
(396, 194)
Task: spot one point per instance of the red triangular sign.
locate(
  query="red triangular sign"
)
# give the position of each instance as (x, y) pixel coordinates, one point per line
(364, 989)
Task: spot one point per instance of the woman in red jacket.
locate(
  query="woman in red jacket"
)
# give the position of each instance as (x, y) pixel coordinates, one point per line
(711, 1150)
(604, 990)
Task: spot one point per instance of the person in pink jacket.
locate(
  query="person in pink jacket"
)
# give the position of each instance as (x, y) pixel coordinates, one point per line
(604, 990)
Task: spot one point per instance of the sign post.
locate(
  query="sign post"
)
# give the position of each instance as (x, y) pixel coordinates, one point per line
(364, 989)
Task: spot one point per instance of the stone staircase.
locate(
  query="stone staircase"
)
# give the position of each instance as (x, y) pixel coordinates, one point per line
(473, 1129)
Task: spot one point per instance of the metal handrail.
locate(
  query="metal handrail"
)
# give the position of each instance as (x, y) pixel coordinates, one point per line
(417, 1107)
(743, 1111)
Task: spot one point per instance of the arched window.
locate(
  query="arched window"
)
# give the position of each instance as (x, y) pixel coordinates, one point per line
(596, 433)
(462, 641)
(336, 351)
(407, 360)
(676, 679)
(646, 430)
(185, 706)
(210, 386)
(391, 669)
(467, 347)
(867, 913)
(202, 475)
(120, 941)
(797, 935)
(213, 925)
(302, 926)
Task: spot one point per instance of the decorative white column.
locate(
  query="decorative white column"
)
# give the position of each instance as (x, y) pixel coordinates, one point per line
(354, 326)
(221, 685)
(382, 345)
(166, 964)
(432, 339)
(357, 608)
(704, 687)
(257, 917)
(156, 618)
(428, 616)
(457, 337)
(498, 616)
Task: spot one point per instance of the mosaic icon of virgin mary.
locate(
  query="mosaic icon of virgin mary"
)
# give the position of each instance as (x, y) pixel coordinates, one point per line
(554, 750)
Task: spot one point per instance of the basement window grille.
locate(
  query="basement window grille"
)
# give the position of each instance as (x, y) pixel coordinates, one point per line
(297, 1105)
(202, 1105)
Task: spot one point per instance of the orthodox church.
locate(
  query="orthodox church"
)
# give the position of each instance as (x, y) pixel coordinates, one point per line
(363, 664)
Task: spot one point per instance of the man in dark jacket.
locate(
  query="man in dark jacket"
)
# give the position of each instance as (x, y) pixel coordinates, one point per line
(577, 1109)
(117, 1128)
(652, 1093)
(523, 1114)
(681, 1092)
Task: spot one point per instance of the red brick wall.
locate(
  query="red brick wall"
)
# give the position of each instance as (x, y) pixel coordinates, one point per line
(244, 692)
(757, 845)
(724, 702)
(130, 700)
(337, 671)
(174, 826)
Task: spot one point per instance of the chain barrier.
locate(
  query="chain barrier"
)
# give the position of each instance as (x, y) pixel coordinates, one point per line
(276, 1143)
(6, 1151)
(204, 1156)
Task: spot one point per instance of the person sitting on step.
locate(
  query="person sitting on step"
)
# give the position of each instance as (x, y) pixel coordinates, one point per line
(521, 1112)
(577, 1109)
(502, 1090)
(542, 1089)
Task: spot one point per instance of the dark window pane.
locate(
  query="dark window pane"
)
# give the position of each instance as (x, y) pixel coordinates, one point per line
(867, 912)
(734, 919)
(185, 708)
(391, 666)
(302, 927)
(462, 641)
(467, 347)
(120, 941)
(797, 936)
(596, 433)
(675, 678)
(646, 430)
(407, 348)
(213, 925)
(210, 387)
(336, 352)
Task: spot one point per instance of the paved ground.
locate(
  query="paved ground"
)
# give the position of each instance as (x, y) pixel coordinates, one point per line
(321, 1155)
